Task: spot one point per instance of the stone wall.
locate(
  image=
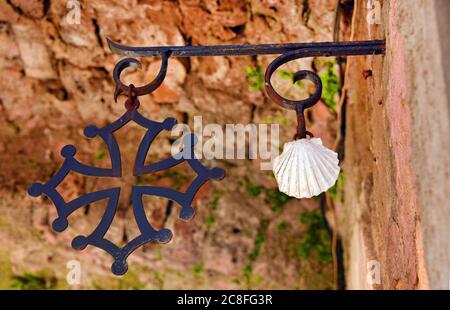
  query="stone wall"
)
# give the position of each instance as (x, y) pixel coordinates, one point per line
(397, 151)
(57, 79)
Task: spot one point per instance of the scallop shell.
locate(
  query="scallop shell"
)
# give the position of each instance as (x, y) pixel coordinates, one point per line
(306, 168)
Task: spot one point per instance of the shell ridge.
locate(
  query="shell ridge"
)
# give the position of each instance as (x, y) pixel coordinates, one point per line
(328, 177)
(282, 166)
(303, 187)
(321, 172)
(285, 161)
(327, 152)
(332, 166)
(312, 178)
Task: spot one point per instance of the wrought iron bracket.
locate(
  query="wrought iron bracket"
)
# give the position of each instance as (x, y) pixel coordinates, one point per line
(288, 52)
(148, 233)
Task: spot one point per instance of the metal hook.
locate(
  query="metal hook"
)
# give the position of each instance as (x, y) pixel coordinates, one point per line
(132, 101)
(141, 90)
(298, 105)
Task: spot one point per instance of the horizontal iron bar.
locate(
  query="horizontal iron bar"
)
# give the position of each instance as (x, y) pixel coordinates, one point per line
(374, 47)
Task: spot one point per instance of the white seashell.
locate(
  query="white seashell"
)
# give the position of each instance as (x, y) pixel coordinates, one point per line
(306, 168)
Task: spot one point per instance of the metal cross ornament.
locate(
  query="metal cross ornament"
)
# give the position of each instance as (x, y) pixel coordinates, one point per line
(148, 233)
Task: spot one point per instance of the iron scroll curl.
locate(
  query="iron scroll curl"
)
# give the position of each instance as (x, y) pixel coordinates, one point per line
(299, 75)
(298, 105)
(125, 63)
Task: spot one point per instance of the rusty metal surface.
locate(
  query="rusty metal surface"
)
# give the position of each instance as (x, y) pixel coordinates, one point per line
(244, 49)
